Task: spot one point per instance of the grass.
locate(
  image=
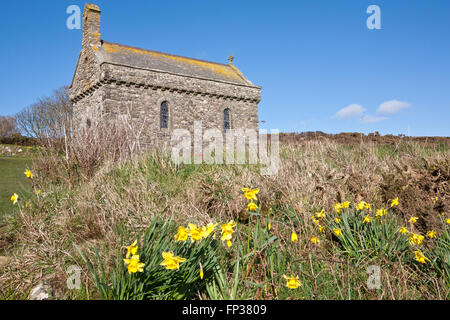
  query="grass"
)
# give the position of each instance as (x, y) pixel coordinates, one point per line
(12, 180)
(100, 216)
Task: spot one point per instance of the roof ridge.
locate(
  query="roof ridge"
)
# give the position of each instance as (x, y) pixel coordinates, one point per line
(169, 54)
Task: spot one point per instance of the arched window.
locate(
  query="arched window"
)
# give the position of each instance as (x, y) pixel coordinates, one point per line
(164, 117)
(226, 119)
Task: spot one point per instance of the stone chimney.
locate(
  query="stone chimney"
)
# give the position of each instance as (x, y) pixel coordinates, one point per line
(91, 26)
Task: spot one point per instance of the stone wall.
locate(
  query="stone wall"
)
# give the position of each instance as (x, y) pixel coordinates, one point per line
(118, 91)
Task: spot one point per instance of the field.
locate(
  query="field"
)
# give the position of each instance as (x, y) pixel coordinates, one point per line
(300, 225)
(12, 180)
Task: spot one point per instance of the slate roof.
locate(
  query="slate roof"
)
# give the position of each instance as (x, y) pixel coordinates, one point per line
(153, 60)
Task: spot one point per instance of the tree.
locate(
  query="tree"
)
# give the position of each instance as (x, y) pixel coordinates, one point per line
(48, 118)
(8, 126)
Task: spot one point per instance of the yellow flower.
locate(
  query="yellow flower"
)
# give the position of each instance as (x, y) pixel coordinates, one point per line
(337, 232)
(380, 213)
(366, 219)
(14, 198)
(269, 225)
(315, 240)
(294, 237)
(338, 207)
(320, 214)
(337, 220)
(170, 261)
(420, 257)
(132, 249)
(292, 282)
(413, 219)
(431, 234)
(415, 239)
(435, 199)
(316, 222)
(345, 204)
(201, 272)
(28, 174)
(182, 234)
(447, 221)
(134, 265)
(227, 231)
(321, 228)
(442, 213)
(363, 205)
(194, 232)
(210, 227)
(250, 194)
(403, 230)
(38, 191)
(394, 202)
(252, 206)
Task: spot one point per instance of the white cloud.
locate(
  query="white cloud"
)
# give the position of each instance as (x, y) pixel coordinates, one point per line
(392, 107)
(352, 110)
(372, 119)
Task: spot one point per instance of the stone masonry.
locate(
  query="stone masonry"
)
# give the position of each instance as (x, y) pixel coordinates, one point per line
(117, 80)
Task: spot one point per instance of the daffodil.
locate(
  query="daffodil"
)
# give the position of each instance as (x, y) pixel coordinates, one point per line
(227, 232)
(182, 234)
(194, 232)
(315, 240)
(170, 261)
(394, 202)
(366, 219)
(420, 257)
(132, 249)
(363, 205)
(381, 212)
(28, 174)
(431, 234)
(321, 214)
(403, 230)
(321, 228)
(337, 220)
(252, 206)
(345, 204)
(250, 194)
(413, 219)
(338, 207)
(294, 237)
(415, 239)
(134, 265)
(337, 232)
(447, 221)
(14, 198)
(210, 227)
(292, 282)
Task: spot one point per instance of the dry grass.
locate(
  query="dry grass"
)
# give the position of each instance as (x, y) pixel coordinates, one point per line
(117, 200)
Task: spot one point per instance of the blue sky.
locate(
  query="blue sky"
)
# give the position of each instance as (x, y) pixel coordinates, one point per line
(312, 58)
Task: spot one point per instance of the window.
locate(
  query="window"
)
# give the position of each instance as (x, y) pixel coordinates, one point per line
(226, 119)
(164, 115)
